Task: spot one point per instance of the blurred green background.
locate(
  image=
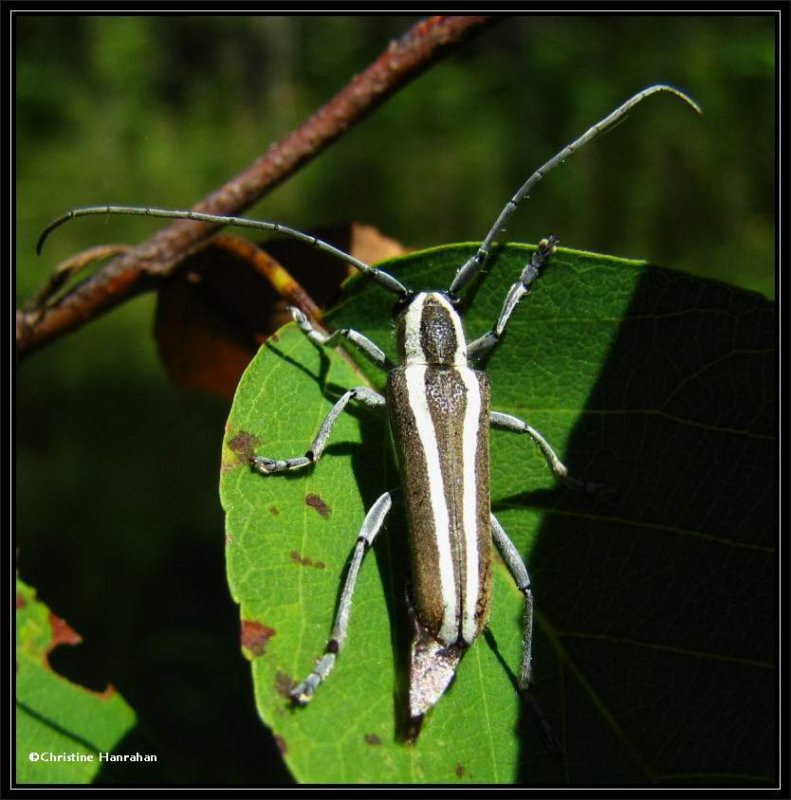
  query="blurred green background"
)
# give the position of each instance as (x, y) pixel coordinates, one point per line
(119, 523)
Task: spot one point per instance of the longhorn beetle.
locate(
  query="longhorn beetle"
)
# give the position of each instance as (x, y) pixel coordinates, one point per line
(439, 414)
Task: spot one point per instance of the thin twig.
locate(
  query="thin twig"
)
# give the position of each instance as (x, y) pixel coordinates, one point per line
(138, 271)
(68, 269)
(278, 277)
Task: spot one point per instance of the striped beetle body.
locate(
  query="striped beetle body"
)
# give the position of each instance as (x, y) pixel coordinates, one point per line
(439, 419)
(438, 407)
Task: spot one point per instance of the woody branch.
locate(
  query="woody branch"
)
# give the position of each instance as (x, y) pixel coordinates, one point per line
(142, 268)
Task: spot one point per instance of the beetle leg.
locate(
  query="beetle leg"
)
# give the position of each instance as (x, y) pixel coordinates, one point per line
(370, 350)
(516, 566)
(482, 347)
(269, 466)
(507, 422)
(303, 692)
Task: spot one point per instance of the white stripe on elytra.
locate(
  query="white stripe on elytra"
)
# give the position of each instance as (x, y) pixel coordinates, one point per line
(412, 344)
(469, 497)
(418, 403)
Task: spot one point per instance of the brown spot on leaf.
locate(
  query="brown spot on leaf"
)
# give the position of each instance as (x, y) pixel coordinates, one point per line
(281, 745)
(255, 636)
(244, 444)
(274, 511)
(305, 561)
(62, 632)
(284, 684)
(460, 771)
(315, 501)
(372, 739)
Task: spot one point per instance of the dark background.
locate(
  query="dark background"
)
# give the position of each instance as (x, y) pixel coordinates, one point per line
(119, 523)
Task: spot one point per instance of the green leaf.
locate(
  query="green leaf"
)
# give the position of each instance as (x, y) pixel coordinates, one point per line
(654, 647)
(54, 717)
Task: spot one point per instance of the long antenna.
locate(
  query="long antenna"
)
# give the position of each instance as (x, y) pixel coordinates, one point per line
(382, 278)
(468, 270)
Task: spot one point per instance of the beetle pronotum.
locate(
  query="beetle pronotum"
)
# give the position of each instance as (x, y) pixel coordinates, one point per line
(439, 414)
